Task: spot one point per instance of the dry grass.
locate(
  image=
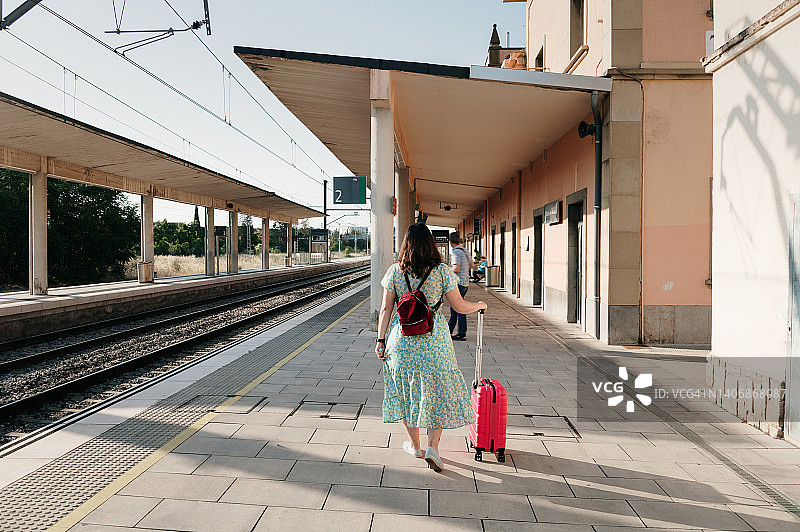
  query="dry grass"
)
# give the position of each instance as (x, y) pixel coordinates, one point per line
(173, 266)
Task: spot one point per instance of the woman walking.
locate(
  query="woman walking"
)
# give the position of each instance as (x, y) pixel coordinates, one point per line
(423, 385)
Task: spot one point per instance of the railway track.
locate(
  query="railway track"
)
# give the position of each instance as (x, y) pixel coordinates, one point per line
(10, 362)
(258, 311)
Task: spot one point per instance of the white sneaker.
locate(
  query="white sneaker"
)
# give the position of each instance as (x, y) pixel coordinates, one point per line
(409, 448)
(433, 459)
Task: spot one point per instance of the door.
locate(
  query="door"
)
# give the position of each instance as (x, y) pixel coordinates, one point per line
(444, 251)
(514, 256)
(574, 262)
(538, 227)
(792, 420)
(503, 255)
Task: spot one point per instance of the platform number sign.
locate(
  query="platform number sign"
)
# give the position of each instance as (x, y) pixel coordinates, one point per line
(319, 235)
(350, 190)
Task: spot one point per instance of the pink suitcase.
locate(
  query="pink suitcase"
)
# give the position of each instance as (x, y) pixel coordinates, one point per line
(490, 404)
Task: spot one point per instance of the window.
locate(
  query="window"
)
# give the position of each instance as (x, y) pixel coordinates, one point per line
(577, 30)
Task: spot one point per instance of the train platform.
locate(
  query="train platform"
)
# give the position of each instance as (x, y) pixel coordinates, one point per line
(283, 431)
(23, 314)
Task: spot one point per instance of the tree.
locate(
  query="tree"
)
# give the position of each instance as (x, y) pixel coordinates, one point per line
(277, 237)
(171, 238)
(13, 228)
(92, 232)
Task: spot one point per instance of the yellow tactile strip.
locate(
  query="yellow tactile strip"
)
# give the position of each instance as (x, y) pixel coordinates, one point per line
(61, 493)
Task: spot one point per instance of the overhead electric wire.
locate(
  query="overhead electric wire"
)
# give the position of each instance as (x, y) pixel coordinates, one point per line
(118, 21)
(131, 61)
(123, 49)
(247, 91)
(90, 106)
(130, 107)
(181, 93)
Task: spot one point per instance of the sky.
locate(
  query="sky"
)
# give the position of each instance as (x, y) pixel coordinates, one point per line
(83, 79)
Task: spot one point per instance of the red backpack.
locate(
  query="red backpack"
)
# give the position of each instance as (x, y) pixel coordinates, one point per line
(416, 317)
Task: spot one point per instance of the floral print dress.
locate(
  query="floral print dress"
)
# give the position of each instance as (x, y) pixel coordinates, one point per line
(421, 378)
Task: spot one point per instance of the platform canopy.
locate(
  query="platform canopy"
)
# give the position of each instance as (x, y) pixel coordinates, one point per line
(463, 132)
(33, 138)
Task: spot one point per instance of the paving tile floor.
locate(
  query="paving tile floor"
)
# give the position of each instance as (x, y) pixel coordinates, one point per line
(307, 449)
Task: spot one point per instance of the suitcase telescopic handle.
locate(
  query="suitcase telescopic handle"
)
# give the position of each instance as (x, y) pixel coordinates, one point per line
(479, 351)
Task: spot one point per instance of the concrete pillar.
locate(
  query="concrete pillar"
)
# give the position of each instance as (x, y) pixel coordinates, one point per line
(289, 243)
(147, 228)
(37, 233)
(210, 242)
(265, 243)
(233, 242)
(401, 191)
(381, 178)
(145, 269)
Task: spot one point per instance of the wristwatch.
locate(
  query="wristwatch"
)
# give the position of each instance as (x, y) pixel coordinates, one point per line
(380, 340)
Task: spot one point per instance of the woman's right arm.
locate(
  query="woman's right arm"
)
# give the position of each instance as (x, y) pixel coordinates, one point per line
(383, 322)
(387, 306)
(461, 305)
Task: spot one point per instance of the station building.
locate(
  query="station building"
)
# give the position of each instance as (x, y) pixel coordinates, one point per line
(495, 152)
(655, 223)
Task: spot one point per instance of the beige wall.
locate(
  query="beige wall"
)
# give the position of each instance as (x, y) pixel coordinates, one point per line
(674, 31)
(545, 27)
(623, 33)
(677, 192)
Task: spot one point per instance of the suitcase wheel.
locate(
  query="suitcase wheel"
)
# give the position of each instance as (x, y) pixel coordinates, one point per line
(478, 456)
(501, 455)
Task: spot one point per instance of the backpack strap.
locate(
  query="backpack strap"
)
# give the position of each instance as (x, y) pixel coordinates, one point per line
(408, 283)
(424, 278)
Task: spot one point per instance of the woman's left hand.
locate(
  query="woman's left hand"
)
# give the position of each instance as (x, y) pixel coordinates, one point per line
(380, 350)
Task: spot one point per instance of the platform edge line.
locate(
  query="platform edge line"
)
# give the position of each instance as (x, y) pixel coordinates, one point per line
(116, 485)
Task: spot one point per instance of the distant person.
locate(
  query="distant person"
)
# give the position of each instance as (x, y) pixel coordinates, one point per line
(462, 264)
(423, 385)
(480, 271)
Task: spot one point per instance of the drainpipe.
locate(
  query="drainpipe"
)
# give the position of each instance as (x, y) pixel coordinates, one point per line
(598, 161)
(518, 265)
(487, 236)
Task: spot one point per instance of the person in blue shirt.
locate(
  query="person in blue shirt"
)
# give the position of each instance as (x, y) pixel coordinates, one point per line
(480, 271)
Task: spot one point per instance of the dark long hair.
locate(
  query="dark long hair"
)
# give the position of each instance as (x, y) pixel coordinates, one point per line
(418, 252)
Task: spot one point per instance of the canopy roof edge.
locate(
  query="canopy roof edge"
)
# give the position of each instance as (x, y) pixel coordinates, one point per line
(88, 152)
(362, 62)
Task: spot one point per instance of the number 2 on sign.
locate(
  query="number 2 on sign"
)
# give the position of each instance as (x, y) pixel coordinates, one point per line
(338, 193)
